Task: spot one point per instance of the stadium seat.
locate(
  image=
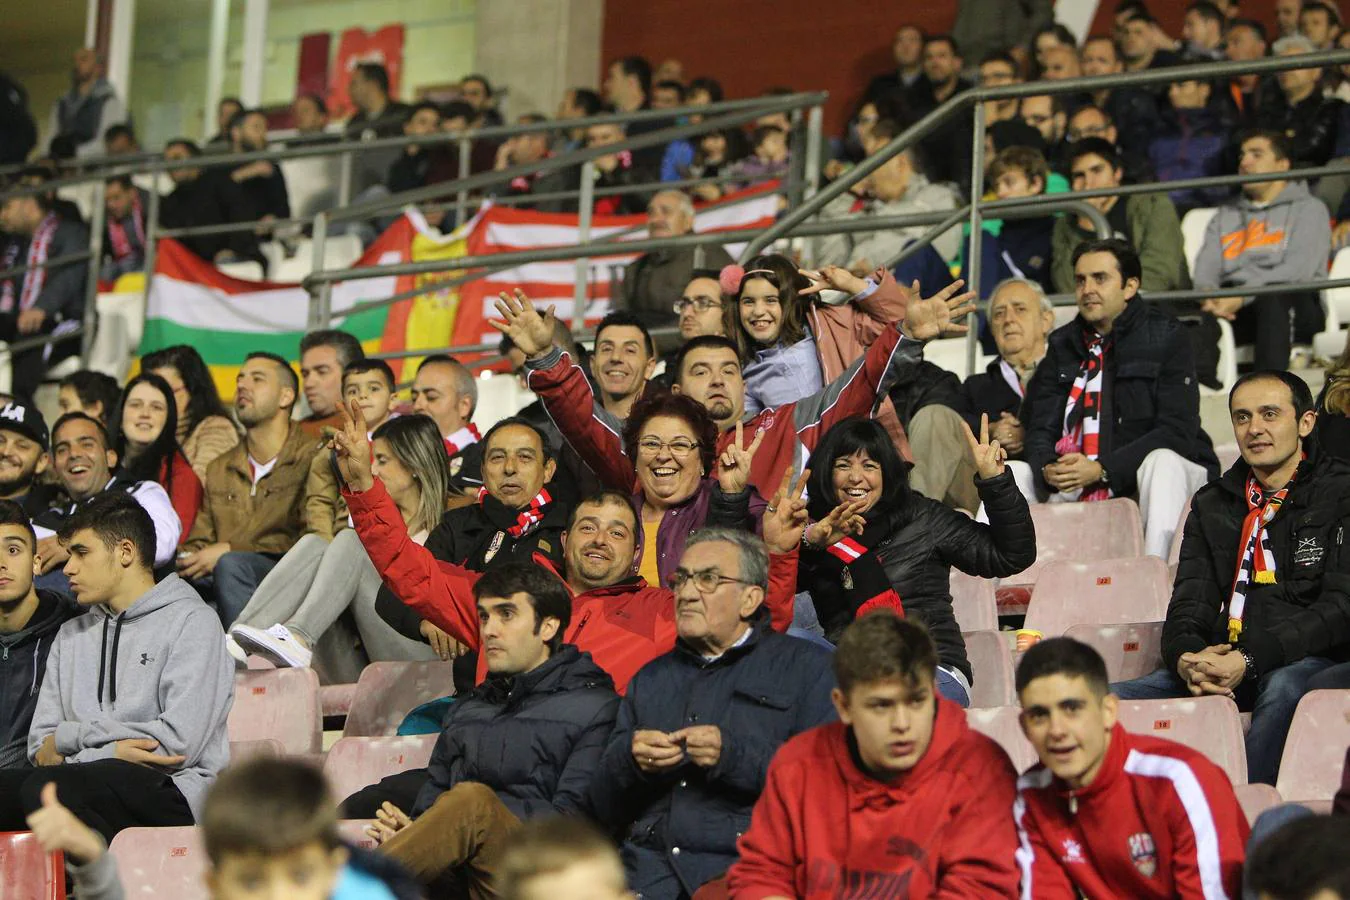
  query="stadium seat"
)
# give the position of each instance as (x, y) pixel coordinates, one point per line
(950, 354)
(242, 750)
(161, 863)
(1104, 592)
(341, 251)
(388, 691)
(277, 704)
(973, 602)
(355, 762)
(991, 661)
(26, 873)
(1109, 529)
(1130, 650)
(353, 831)
(1227, 371)
(1174, 552)
(336, 699)
(1256, 799)
(1193, 226)
(1001, 723)
(1336, 302)
(1314, 751)
(1208, 724)
(499, 396)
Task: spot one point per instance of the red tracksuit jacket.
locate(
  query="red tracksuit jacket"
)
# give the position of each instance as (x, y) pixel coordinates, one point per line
(623, 627)
(824, 829)
(1159, 821)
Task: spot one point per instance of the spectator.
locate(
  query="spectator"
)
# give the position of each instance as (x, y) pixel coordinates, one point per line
(999, 69)
(1061, 62)
(1132, 111)
(1305, 116)
(934, 786)
(1303, 860)
(982, 26)
(530, 148)
(1020, 318)
(86, 465)
(1110, 813)
(227, 110)
(700, 307)
(476, 91)
(377, 113)
(317, 581)
(418, 166)
(146, 446)
(623, 361)
(1319, 23)
(309, 114)
(717, 153)
(88, 109)
(93, 393)
(946, 152)
(1261, 634)
(907, 51)
(622, 169)
(670, 69)
(107, 753)
(1246, 41)
(678, 787)
(196, 199)
(560, 859)
(120, 140)
(1286, 16)
(253, 192)
(1150, 445)
(1024, 244)
(253, 510)
(204, 427)
(1333, 409)
(324, 356)
(651, 283)
(18, 131)
(679, 155)
(24, 458)
(1047, 114)
(35, 176)
(1191, 141)
(577, 103)
(768, 158)
(446, 391)
(1277, 233)
(29, 620)
(41, 301)
(875, 542)
(667, 95)
(455, 119)
(1043, 43)
(124, 229)
(1139, 46)
(1090, 120)
(628, 88)
(1202, 30)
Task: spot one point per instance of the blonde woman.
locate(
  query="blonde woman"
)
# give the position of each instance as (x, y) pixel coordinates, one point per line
(1332, 431)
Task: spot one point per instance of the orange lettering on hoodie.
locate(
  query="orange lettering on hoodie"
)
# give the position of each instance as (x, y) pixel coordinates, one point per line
(1252, 237)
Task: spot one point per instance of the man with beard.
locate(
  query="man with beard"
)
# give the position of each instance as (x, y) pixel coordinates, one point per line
(23, 457)
(253, 510)
(255, 191)
(653, 281)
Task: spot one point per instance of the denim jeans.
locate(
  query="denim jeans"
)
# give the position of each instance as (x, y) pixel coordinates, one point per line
(1272, 706)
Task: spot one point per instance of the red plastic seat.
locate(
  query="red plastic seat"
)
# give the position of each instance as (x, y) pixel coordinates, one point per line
(1130, 651)
(280, 705)
(1102, 592)
(26, 873)
(1314, 752)
(388, 691)
(1002, 724)
(1256, 799)
(973, 602)
(161, 863)
(355, 762)
(1208, 724)
(1107, 529)
(991, 662)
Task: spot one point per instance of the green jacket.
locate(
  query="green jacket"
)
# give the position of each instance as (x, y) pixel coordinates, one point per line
(1155, 232)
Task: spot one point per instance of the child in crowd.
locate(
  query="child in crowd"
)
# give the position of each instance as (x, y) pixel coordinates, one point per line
(560, 859)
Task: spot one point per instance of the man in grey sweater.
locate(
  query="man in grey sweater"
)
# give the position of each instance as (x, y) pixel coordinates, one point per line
(130, 719)
(1276, 232)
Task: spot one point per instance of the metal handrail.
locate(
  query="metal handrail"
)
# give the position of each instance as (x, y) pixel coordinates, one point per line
(54, 262)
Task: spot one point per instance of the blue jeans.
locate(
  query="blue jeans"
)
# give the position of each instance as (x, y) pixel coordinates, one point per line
(236, 576)
(1272, 706)
(948, 686)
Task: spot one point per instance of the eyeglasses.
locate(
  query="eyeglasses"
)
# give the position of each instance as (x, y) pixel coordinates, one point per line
(705, 580)
(702, 304)
(680, 447)
(1077, 134)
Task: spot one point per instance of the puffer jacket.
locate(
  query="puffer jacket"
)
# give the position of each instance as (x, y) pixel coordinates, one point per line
(686, 822)
(23, 662)
(925, 540)
(535, 739)
(1307, 611)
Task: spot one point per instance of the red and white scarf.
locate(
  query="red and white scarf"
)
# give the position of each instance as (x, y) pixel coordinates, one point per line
(461, 440)
(117, 232)
(850, 551)
(1256, 564)
(34, 279)
(1082, 412)
(529, 517)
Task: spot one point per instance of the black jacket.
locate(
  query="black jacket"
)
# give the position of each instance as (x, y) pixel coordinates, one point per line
(1309, 125)
(194, 203)
(925, 541)
(1307, 611)
(925, 384)
(989, 392)
(1150, 396)
(653, 282)
(534, 739)
(686, 822)
(23, 662)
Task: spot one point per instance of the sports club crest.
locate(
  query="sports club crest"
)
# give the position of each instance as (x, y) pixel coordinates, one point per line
(1143, 854)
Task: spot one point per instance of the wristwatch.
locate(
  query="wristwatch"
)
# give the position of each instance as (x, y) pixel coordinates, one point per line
(1247, 657)
(1105, 479)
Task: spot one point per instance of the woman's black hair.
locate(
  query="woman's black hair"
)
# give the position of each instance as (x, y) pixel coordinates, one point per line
(146, 465)
(843, 440)
(203, 398)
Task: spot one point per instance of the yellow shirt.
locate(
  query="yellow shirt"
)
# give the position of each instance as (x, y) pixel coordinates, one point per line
(650, 555)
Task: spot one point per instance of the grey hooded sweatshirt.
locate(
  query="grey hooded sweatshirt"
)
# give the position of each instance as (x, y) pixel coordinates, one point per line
(159, 670)
(1287, 240)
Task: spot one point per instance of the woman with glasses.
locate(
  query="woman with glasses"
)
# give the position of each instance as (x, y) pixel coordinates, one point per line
(890, 546)
(205, 430)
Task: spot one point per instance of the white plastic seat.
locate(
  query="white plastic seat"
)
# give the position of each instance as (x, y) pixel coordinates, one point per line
(243, 270)
(1193, 226)
(1210, 725)
(1131, 650)
(387, 691)
(161, 863)
(950, 354)
(280, 705)
(500, 396)
(1336, 303)
(355, 762)
(1315, 750)
(1103, 592)
(1002, 723)
(973, 602)
(1107, 529)
(991, 662)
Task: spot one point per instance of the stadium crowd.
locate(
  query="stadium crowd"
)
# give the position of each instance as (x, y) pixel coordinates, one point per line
(699, 596)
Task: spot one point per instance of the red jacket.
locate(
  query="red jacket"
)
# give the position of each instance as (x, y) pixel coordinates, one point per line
(623, 626)
(595, 433)
(824, 829)
(1159, 821)
(184, 489)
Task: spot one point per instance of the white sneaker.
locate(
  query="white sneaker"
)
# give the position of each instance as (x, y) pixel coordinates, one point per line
(276, 644)
(236, 652)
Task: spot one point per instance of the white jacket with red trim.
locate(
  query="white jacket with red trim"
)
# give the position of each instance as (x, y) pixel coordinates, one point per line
(1159, 821)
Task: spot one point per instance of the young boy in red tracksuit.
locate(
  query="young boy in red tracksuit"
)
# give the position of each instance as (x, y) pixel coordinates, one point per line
(1113, 814)
(898, 799)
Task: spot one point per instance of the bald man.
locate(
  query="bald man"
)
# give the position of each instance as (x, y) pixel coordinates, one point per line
(89, 108)
(654, 282)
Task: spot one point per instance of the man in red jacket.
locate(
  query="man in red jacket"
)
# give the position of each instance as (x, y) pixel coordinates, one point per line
(1113, 814)
(899, 799)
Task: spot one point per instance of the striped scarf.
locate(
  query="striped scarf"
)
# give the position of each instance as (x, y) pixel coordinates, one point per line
(528, 518)
(1082, 412)
(119, 243)
(882, 593)
(34, 278)
(1256, 565)
(467, 436)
